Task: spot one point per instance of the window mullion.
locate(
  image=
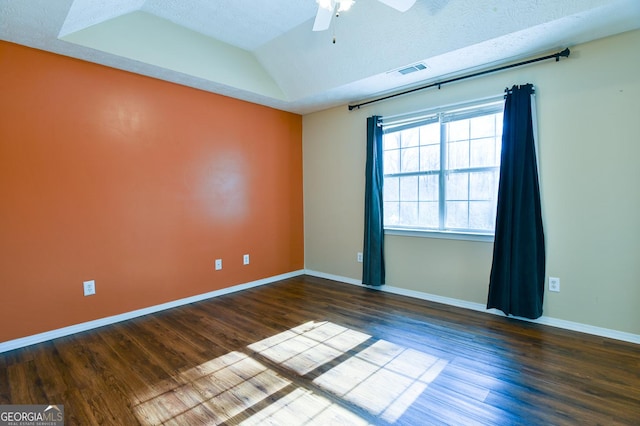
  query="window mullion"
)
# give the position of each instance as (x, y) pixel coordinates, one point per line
(405, 174)
(469, 179)
(443, 162)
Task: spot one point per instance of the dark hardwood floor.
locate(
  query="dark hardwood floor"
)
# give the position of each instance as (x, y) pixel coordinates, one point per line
(312, 351)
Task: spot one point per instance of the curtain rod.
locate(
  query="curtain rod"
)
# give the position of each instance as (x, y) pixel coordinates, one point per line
(565, 54)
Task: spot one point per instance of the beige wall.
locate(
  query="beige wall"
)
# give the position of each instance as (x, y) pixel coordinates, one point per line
(589, 148)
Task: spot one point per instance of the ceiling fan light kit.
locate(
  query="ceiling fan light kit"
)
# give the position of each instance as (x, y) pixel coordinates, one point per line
(343, 5)
(327, 8)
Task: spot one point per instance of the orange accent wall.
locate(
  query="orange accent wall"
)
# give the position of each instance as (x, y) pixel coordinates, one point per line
(138, 184)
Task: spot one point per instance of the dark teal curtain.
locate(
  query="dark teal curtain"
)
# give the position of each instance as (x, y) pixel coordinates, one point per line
(373, 252)
(516, 285)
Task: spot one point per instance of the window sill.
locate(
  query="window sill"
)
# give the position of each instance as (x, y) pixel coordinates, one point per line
(447, 235)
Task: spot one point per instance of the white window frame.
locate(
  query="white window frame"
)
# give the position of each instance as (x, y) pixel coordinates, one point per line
(442, 115)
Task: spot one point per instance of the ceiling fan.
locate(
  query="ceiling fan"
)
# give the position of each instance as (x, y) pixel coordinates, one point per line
(327, 8)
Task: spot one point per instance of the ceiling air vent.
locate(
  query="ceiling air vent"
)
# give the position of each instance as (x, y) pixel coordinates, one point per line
(412, 68)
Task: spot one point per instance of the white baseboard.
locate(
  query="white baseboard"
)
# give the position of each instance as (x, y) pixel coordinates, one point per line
(66, 331)
(334, 277)
(553, 322)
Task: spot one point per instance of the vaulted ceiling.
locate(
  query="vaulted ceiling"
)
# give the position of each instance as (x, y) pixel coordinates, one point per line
(266, 52)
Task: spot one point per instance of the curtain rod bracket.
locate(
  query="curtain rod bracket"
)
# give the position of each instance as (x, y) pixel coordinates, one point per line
(565, 54)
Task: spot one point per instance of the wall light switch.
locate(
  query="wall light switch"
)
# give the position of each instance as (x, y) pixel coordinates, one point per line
(245, 259)
(218, 264)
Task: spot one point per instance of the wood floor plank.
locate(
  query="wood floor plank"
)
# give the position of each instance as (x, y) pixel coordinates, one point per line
(309, 350)
(5, 391)
(133, 366)
(53, 372)
(25, 384)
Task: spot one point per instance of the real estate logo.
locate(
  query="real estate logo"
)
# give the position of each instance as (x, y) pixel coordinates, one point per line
(31, 415)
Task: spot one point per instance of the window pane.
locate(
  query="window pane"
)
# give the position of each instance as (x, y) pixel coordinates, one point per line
(430, 134)
(391, 189)
(482, 215)
(499, 118)
(458, 130)
(430, 157)
(391, 213)
(391, 141)
(428, 215)
(457, 214)
(458, 155)
(457, 186)
(482, 186)
(410, 137)
(429, 188)
(483, 152)
(408, 213)
(483, 126)
(410, 160)
(409, 188)
(391, 161)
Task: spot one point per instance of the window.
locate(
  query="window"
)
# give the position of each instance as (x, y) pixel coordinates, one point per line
(441, 170)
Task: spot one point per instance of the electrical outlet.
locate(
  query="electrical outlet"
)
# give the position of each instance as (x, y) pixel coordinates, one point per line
(89, 287)
(245, 259)
(359, 257)
(554, 284)
(218, 264)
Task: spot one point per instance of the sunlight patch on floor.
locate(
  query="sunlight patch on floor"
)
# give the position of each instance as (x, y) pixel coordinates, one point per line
(216, 390)
(303, 407)
(385, 379)
(309, 346)
(379, 376)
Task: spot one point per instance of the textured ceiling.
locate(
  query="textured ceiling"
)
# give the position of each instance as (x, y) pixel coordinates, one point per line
(246, 24)
(265, 51)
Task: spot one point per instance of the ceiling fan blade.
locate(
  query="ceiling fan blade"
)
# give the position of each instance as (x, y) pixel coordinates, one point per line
(323, 18)
(400, 5)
